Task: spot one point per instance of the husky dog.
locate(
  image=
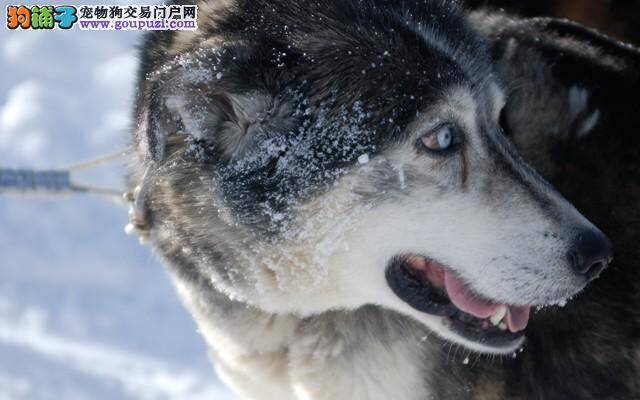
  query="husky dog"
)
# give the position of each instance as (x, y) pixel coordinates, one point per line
(337, 191)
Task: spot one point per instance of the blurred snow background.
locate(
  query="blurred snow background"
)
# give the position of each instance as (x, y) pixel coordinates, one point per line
(85, 312)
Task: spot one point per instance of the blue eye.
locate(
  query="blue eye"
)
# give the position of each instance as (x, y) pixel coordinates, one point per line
(442, 139)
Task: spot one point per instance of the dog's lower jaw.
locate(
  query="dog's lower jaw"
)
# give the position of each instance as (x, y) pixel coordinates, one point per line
(438, 298)
(442, 327)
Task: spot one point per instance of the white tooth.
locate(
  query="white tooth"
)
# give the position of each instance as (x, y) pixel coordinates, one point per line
(498, 315)
(502, 326)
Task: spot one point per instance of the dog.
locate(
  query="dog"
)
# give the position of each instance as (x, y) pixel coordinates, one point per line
(339, 191)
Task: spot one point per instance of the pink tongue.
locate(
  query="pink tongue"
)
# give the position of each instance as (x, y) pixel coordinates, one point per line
(465, 299)
(517, 318)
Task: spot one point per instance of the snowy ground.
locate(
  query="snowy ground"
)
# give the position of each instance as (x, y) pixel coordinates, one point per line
(85, 312)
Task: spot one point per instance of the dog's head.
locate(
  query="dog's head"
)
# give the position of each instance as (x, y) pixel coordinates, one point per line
(307, 158)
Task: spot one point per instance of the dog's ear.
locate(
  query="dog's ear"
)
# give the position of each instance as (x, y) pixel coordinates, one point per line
(564, 82)
(202, 100)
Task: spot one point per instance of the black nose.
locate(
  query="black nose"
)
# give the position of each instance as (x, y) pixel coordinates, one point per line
(591, 253)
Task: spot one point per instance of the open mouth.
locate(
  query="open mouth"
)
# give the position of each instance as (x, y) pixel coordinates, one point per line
(433, 289)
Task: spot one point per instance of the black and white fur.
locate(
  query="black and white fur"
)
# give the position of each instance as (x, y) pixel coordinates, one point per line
(276, 152)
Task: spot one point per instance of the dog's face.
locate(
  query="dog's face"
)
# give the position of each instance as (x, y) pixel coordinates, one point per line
(298, 184)
(469, 237)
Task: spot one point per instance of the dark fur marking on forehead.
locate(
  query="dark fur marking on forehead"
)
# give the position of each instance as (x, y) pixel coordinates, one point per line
(326, 30)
